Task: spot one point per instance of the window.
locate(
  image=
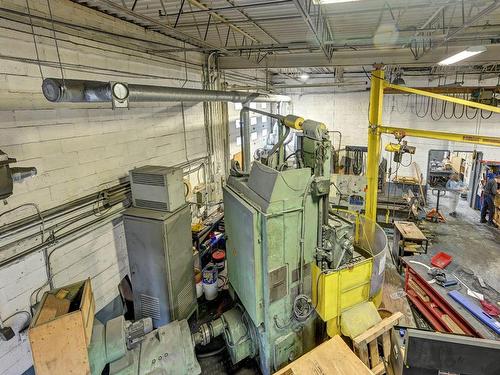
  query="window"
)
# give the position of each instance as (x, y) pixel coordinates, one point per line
(263, 105)
(264, 118)
(253, 105)
(253, 136)
(264, 133)
(237, 123)
(238, 106)
(253, 120)
(238, 141)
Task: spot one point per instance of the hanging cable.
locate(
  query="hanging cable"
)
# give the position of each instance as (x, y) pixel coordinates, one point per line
(55, 40)
(34, 39)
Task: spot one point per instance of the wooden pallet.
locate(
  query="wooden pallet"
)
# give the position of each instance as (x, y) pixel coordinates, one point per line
(366, 344)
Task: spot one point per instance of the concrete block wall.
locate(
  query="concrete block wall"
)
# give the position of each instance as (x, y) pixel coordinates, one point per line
(81, 148)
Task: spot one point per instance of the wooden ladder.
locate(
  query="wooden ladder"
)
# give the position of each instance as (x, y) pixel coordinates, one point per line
(366, 344)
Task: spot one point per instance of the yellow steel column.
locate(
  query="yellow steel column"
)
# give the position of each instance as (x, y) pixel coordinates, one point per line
(373, 157)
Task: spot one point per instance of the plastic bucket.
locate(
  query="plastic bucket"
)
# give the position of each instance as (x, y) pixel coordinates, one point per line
(219, 259)
(209, 280)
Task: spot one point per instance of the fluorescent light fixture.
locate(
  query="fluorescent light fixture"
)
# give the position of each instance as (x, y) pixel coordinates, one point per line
(322, 2)
(304, 77)
(469, 52)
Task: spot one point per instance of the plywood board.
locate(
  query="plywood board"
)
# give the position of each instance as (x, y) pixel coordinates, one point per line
(332, 357)
(59, 347)
(52, 307)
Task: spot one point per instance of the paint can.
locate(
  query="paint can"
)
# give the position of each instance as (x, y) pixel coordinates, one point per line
(219, 259)
(209, 280)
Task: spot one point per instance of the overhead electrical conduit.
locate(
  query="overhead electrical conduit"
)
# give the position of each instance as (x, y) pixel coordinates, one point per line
(82, 91)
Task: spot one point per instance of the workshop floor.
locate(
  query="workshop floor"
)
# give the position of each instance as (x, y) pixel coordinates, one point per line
(473, 245)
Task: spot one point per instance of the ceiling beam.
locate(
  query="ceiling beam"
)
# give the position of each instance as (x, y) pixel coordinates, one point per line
(317, 24)
(256, 47)
(393, 57)
(450, 35)
(170, 31)
(236, 7)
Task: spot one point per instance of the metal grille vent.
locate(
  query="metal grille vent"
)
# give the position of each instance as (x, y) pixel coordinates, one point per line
(155, 205)
(150, 307)
(184, 299)
(148, 179)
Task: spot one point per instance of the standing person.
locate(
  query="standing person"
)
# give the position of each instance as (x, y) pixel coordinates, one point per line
(455, 187)
(489, 191)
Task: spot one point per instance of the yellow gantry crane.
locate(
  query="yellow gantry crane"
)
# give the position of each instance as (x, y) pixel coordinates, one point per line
(376, 128)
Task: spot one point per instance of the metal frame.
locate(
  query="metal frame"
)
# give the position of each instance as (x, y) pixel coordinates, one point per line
(317, 23)
(376, 128)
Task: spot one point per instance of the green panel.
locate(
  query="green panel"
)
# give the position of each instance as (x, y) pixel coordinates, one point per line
(244, 258)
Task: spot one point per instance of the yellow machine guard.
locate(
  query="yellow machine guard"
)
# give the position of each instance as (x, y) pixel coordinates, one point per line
(339, 290)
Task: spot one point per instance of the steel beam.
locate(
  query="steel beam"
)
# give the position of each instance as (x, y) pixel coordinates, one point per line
(255, 47)
(223, 19)
(446, 98)
(477, 17)
(317, 23)
(394, 57)
(373, 154)
(243, 6)
(171, 31)
(446, 90)
(444, 136)
(452, 34)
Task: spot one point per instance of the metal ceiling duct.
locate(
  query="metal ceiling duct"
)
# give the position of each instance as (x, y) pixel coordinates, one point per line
(82, 91)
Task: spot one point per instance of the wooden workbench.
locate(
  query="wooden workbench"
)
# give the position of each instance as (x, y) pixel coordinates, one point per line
(406, 231)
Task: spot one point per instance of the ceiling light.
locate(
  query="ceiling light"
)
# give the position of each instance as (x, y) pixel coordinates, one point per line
(304, 77)
(469, 52)
(398, 80)
(322, 2)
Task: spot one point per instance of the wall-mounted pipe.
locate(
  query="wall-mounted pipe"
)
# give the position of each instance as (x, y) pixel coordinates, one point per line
(82, 91)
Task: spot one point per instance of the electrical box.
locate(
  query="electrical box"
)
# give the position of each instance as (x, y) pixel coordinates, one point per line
(161, 263)
(157, 188)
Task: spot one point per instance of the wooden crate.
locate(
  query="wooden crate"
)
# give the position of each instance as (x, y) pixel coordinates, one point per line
(333, 357)
(366, 344)
(59, 341)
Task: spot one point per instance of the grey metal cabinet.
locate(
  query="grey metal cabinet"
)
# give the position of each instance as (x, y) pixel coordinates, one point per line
(161, 263)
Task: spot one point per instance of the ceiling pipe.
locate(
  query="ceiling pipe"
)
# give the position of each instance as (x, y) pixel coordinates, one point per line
(82, 91)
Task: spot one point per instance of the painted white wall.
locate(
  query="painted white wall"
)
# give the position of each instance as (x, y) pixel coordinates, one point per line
(80, 148)
(348, 113)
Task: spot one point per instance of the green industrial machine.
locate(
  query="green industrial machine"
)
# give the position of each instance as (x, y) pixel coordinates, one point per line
(275, 218)
(137, 349)
(288, 255)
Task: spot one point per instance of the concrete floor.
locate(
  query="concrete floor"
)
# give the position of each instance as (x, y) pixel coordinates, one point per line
(472, 245)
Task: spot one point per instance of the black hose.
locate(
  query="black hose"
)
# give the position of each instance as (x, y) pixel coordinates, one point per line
(212, 353)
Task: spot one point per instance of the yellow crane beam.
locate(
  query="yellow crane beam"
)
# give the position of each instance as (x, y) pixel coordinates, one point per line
(375, 129)
(446, 98)
(431, 134)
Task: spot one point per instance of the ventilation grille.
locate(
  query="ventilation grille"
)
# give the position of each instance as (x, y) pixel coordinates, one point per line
(148, 179)
(150, 307)
(154, 205)
(184, 300)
